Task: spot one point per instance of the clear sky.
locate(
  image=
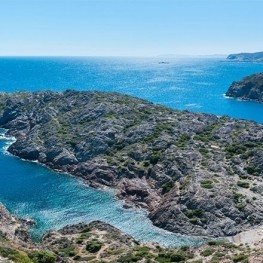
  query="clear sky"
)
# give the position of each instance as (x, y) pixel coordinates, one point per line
(130, 27)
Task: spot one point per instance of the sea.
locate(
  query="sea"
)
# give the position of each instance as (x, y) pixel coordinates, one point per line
(54, 199)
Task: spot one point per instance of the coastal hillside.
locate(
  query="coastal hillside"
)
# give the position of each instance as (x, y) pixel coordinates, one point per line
(249, 88)
(196, 174)
(99, 242)
(247, 57)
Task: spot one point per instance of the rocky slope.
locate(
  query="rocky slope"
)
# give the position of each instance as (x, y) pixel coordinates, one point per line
(14, 229)
(100, 242)
(247, 57)
(196, 173)
(249, 88)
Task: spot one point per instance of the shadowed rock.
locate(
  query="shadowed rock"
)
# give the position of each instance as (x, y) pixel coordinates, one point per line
(249, 88)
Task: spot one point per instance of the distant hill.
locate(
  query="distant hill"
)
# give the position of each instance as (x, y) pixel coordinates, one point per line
(247, 57)
(249, 88)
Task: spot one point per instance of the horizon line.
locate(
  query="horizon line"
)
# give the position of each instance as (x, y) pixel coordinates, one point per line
(121, 56)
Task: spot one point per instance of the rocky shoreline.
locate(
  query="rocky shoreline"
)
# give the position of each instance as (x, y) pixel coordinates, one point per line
(175, 164)
(246, 57)
(249, 88)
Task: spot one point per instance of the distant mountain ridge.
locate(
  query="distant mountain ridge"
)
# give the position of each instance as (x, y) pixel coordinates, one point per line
(247, 57)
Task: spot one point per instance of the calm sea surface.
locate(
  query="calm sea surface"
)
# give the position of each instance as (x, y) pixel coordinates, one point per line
(54, 200)
(192, 84)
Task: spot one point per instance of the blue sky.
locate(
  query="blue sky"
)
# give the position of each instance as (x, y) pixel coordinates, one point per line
(130, 27)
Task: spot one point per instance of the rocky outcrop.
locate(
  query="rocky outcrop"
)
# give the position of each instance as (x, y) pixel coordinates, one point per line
(101, 242)
(249, 88)
(196, 174)
(12, 228)
(247, 57)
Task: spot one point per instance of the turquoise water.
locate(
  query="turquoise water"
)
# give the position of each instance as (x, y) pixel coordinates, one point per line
(54, 200)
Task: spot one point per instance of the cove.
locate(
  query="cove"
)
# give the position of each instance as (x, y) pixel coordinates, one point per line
(54, 199)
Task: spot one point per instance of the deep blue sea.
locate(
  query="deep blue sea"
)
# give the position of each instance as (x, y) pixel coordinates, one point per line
(195, 84)
(53, 199)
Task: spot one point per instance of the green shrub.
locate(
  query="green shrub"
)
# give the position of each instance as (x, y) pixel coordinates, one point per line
(238, 197)
(234, 149)
(241, 207)
(93, 246)
(146, 163)
(85, 230)
(208, 184)
(243, 176)
(216, 242)
(129, 258)
(143, 252)
(77, 257)
(177, 257)
(204, 152)
(219, 254)
(154, 158)
(163, 258)
(194, 221)
(42, 257)
(67, 251)
(15, 255)
(194, 213)
(207, 252)
(243, 184)
(183, 140)
(184, 248)
(166, 187)
(2, 236)
(253, 170)
(239, 257)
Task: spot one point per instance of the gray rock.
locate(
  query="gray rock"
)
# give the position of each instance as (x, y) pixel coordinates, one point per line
(189, 170)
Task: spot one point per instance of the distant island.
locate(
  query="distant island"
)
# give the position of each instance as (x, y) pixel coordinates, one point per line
(249, 88)
(247, 57)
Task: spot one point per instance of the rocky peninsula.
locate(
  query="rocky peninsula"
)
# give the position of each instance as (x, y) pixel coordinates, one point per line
(196, 174)
(249, 88)
(247, 57)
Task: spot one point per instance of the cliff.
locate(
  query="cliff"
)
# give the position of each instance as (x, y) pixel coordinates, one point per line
(247, 57)
(196, 174)
(249, 88)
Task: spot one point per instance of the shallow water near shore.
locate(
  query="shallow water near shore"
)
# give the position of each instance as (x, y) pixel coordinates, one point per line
(54, 200)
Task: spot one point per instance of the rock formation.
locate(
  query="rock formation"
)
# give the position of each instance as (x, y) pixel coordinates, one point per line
(249, 88)
(247, 57)
(196, 174)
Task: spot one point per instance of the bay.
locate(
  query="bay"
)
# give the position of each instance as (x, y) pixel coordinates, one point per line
(53, 199)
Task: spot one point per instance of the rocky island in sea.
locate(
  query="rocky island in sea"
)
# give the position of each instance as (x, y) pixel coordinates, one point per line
(246, 57)
(196, 174)
(249, 88)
